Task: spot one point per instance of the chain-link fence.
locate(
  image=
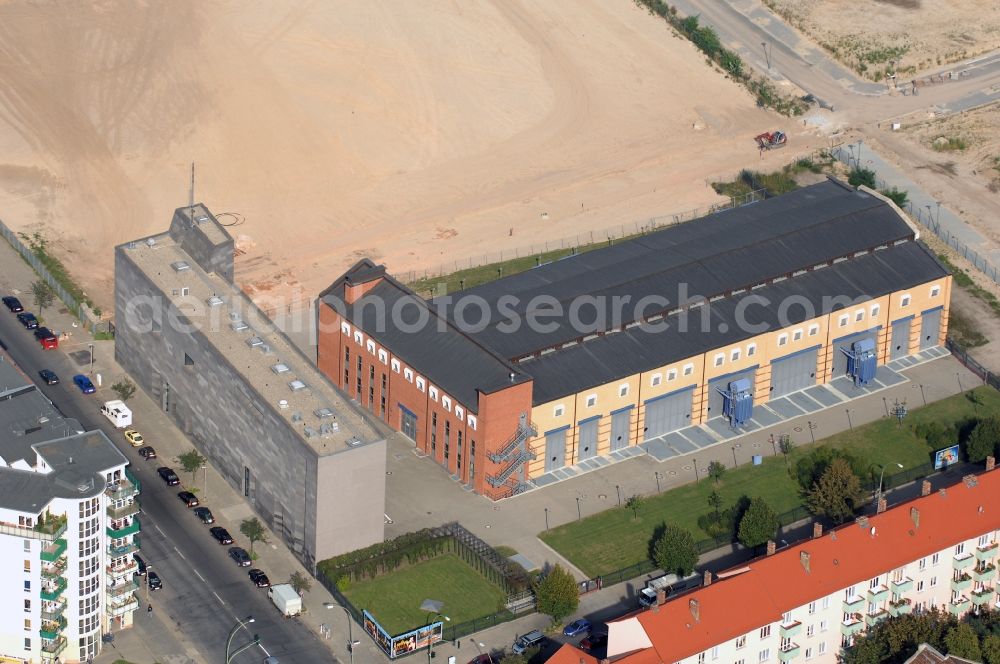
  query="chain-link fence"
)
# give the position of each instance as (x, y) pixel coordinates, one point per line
(39, 267)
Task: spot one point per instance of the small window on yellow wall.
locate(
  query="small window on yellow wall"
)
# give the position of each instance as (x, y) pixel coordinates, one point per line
(797, 335)
(672, 374)
(734, 355)
(656, 379)
(875, 310)
(842, 321)
(859, 315)
(719, 359)
(782, 339)
(558, 411)
(935, 291)
(813, 330)
(751, 350)
(904, 301)
(688, 369)
(591, 401)
(623, 390)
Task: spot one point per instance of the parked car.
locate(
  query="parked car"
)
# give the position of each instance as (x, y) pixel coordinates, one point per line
(594, 641)
(240, 555)
(84, 384)
(168, 475)
(189, 498)
(147, 452)
(153, 579)
(47, 338)
(13, 304)
(49, 376)
(577, 627)
(526, 641)
(28, 320)
(141, 564)
(134, 438)
(259, 578)
(221, 535)
(485, 658)
(204, 514)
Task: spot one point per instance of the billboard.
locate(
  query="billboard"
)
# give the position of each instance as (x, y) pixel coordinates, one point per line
(394, 646)
(946, 457)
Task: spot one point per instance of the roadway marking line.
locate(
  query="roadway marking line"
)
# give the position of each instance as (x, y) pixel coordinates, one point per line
(217, 597)
(180, 554)
(199, 575)
(158, 530)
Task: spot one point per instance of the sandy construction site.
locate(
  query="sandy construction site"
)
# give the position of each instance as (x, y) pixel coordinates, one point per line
(412, 132)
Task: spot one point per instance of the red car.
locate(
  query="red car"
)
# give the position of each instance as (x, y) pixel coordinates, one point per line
(482, 659)
(46, 338)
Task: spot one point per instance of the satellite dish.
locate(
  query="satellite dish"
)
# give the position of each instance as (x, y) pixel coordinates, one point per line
(872, 531)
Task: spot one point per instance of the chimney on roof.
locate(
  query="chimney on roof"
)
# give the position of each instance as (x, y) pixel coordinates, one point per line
(604, 661)
(695, 609)
(970, 480)
(915, 517)
(817, 530)
(991, 463)
(771, 547)
(708, 578)
(943, 492)
(882, 504)
(804, 559)
(862, 521)
(661, 596)
(925, 488)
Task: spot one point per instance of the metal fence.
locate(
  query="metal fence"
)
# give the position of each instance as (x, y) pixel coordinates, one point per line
(39, 267)
(580, 240)
(988, 377)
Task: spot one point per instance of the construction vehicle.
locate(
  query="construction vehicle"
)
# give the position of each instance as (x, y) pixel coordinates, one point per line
(771, 140)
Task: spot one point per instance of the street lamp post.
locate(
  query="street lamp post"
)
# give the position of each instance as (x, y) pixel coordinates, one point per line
(735, 463)
(430, 645)
(696, 478)
(656, 474)
(878, 494)
(241, 624)
(619, 490)
(91, 359)
(578, 514)
(546, 518)
(767, 56)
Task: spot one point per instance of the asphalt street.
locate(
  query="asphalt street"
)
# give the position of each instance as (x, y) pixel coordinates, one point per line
(204, 592)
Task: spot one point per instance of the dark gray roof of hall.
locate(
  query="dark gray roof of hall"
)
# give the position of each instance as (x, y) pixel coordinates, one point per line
(637, 349)
(456, 363)
(723, 252)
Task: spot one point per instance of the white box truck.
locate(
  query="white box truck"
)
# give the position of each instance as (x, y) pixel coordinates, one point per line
(118, 413)
(286, 599)
(669, 583)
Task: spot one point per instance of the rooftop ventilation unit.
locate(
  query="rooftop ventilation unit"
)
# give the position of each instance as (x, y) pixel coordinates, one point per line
(239, 326)
(296, 385)
(325, 429)
(323, 412)
(279, 368)
(214, 301)
(180, 266)
(296, 417)
(255, 341)
(354, 441)
(282, 403)
(150, 241)
(234, 315)
(265, 349)
(309, 432)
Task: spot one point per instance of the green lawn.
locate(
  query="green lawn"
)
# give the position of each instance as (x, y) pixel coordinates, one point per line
(395, 598)
(613, 540)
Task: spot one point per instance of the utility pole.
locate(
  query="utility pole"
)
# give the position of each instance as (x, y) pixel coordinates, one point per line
(767, 56)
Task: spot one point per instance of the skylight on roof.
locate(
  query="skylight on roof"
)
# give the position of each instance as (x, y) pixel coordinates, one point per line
(255, 341)
(180, 266)
(214, 301)
(296, 385)
(279, 368)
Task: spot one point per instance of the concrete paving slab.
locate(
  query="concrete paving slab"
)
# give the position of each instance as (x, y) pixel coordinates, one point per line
(720, 427)
(658, 449)
(523, 561)
(802, 400)
(765, 416)
(821, 394)
(699, 436)
(785, 408)
(682, 445)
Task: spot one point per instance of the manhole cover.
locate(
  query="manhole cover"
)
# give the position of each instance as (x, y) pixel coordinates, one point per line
(687, 469)
(672, 472)
(602, 496)
(756, 445)
(388, 472)
(737, 446)
(799, 429)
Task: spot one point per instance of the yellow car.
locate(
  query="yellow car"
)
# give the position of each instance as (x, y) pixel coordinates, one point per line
(134, 438)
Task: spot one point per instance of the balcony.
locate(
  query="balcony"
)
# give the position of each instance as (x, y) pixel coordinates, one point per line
(123, 531)
(123, 549)
(45, 533)
(962, 583)
(852, 626)
(900, 607)
(51, 628)
(54, 570)
(52, 591)
(985, 573)
(987, 552)
(959, 606)
(853, 604)
(125, 569)
(964, 561)
(53, 610)
(982, 597)
(54, 551)
(123, 589)
(904, 585)
(114, 610)
(788, 630)
(789, 652)
(876, 618)
(878, 594)
(123, 511)
(52, 649)
(125, 488)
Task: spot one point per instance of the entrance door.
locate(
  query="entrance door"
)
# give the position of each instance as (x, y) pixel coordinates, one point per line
(668, 413)
(899, 346)
(408, 424)
(587, 446)
(621, 428)
(930, 328)
(555, 449)
(793, 373)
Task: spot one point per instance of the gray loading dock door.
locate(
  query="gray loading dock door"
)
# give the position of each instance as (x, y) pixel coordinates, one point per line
(722, 383)
(555, 449)
(621, 429)
(793, 372)
(930, 328)
(668, 413)
(840, 358)
(586, 445)
(899, 344)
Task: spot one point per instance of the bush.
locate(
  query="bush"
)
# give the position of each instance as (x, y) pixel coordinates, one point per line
(811, 467)
(556, 594)
(983, 440)
(837, 494)
(861, 176)
(673, 550)
(897, 196)
(758, 525)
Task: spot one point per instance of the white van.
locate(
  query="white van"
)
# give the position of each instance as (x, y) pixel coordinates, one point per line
(118, 413)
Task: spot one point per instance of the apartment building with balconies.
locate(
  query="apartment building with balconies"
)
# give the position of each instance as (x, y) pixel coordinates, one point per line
(807, 602)
(68, 528)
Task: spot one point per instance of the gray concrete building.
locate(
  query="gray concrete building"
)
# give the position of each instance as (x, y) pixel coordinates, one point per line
(305, 458)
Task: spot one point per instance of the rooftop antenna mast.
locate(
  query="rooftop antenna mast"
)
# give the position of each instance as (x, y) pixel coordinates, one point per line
(191, 195)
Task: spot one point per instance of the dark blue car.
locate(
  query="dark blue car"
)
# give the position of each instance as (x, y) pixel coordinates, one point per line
(84, 384)
(28, 320)
(577, 627)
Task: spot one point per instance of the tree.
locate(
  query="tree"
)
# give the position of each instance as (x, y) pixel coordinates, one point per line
(786, 446)
(124, 389)
(758, 524)
(191, 462)
(633, 503)
(254, 531)
(715, 502)
(963, 642)
(523, 658)
(861, 176)
(983, 440)
(716, 470)
(299, 582)
(809, 468)
(43, 294)
(837, 493)
(674, 551)
(991, 649)
(556, 594)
